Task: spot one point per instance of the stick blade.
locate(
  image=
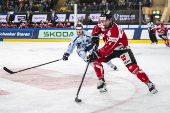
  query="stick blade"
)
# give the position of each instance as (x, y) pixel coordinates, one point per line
(7, 70)
(77, 100)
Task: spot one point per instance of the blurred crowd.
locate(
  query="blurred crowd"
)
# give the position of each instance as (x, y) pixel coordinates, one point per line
(100, 5)
(27, 5)
(41, 24)
(82, 5)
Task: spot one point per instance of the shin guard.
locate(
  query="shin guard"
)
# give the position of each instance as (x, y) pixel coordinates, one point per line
(134, 69)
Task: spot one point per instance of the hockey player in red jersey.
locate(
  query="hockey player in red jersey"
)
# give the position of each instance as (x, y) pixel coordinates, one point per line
(5, 25)
(13, 25)
(42, 24)
(48, 24)
(23, 25)
(59, 24)
(116, 46)
(27, 24)
(67, 24)
(35, 25)
(162, 31)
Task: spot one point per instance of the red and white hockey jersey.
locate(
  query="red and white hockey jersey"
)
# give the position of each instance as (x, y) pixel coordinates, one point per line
(42, 25)
(35, 25)
(67, 25)
(114, 37)
(161, 29)
(5, 25)
(50, 25)
(23, 25)
(13, 25)
(59, 25)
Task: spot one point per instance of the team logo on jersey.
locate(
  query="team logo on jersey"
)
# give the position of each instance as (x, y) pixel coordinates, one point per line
(126, 58)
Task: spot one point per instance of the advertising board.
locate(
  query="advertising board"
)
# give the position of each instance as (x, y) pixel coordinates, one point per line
(71, 17)
(60, 34)
(19, 18)
(16, 33)
(38, 18)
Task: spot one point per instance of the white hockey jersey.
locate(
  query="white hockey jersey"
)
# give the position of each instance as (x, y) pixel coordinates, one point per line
(81, 42)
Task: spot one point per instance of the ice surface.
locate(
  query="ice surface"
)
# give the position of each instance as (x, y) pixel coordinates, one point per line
(52, 88)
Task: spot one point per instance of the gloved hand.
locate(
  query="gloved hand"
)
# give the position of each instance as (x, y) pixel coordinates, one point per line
(65, 56)
(93, 56)
(95, 39)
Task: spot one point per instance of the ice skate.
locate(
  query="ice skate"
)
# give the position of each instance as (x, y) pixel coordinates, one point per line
(101, 85)
(152, 88)
(167, 42)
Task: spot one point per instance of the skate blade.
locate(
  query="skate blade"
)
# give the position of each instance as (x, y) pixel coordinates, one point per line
(103, 90)
(154, 91)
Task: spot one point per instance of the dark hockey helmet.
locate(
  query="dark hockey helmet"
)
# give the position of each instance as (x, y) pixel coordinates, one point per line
(106, 15)
(79, 26)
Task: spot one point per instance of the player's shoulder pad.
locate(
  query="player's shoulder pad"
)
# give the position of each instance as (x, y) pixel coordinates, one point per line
(87, 33)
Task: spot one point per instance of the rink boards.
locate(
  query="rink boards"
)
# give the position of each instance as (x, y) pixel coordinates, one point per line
(135, 35)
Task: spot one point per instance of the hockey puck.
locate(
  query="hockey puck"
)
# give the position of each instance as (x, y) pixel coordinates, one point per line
(77, 100)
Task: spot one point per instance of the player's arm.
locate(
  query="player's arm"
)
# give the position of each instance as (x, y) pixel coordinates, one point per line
(111, 43)
(97, 29)
(95, 34)
(109, 46)
(70, 49)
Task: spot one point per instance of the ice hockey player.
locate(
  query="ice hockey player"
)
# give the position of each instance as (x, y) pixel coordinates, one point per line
(59, 24)
(67, 24)
(116, 45)
(13, 25)
(41, 24)
(35, 25)
(162, 31)
(83, 42)
(152, 36)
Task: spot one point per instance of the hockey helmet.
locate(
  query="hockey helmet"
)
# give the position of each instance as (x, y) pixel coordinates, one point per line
(79, 26)
(106, 15)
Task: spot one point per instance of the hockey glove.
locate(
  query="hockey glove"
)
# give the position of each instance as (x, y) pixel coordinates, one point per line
(95, 39)
(65, 56)
(92, 57)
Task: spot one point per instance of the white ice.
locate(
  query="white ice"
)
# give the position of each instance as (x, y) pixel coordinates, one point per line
(22, 93)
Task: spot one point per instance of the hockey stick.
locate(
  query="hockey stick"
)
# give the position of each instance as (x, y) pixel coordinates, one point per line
(76, 99)
(11, 72)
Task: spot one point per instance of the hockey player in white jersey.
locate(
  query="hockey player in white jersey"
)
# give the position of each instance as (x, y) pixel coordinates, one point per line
(82, 41)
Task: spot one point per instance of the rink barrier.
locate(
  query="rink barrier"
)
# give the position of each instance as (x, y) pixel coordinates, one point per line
(135, 35)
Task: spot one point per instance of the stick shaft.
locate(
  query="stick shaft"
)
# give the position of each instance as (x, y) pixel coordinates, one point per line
(82, 79)
(11, 72)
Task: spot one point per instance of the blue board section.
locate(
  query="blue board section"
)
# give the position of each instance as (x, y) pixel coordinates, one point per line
(16, 33)
(137, 34)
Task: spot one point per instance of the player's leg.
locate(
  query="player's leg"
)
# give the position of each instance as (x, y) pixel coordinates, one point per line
(165, 38)
(129, 60)
(83, 55)
(151, 36)
(109, 63)
(155, 38)
(99, 70)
